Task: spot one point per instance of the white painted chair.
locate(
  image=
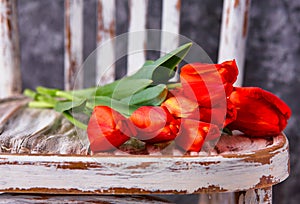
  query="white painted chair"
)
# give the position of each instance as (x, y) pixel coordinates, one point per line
(247, 167)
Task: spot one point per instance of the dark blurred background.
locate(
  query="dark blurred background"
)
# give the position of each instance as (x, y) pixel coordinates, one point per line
(272, 55)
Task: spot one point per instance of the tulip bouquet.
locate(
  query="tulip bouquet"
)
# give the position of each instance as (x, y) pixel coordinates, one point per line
(147, 107)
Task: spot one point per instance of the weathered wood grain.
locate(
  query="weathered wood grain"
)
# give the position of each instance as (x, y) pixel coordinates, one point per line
(170, 25)
(33, 131)
(137, 38)
(25, 198)
(170, 28)
(234, 29)
(10, 73)
(73, 44)
(106, 19)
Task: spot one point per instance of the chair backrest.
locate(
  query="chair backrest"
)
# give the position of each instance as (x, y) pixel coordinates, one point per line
(232, 41)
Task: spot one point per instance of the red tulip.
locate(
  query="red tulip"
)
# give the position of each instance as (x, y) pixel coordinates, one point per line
(220, 115)
(259, 113)
(193, 133)
(154, 124)
(107, 129)
(182, 107)
(208, 83)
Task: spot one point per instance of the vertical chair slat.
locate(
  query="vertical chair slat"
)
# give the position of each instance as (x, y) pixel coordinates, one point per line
(170, 24)
(170, 28)
(73, 44)
(105, 66)
(10, 74)
(137, 41)
(234, 33)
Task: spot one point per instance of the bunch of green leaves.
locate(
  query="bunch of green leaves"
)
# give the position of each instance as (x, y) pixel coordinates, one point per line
(148, 86)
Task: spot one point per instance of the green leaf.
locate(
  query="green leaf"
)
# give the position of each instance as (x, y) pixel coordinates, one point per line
(119, 106)
(152, 96)
(148, 62)
(83, 93)
(123, 88)
(163, 68)
(74, 106)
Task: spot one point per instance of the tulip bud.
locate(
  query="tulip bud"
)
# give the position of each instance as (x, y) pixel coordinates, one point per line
(107, 129)
(154, 124)
(208, 83)
(193, 133)
(259, 113)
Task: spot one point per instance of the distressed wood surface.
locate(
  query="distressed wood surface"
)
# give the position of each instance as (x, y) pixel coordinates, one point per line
(35, 198)
(106, 19)
(41, 141)
(255, 196)
(73, 44)
(170, 28)
(234, 29)
(32, 131)
(137, 38)
(225, 172)
(10, 74)
(170, 25)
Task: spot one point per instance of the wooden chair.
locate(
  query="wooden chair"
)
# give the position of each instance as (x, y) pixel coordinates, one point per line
(247, 167)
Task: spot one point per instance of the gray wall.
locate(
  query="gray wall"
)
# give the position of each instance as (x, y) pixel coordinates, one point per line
(272, 59)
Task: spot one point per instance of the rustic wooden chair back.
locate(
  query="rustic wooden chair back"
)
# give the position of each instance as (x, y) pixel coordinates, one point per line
(232, 41)
(249, 173)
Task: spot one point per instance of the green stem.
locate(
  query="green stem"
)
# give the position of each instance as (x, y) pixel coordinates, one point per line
(40, 104)
(174, 85)
(65, 94)
(74, 121)
(30, 93)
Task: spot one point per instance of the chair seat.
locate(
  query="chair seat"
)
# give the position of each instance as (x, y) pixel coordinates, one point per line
(236, 163)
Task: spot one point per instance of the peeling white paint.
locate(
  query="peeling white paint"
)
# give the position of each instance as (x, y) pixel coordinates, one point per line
(235, 19)
(73, 44)
(10, 74)
(106, 17)
(136, 40)
(145, 173)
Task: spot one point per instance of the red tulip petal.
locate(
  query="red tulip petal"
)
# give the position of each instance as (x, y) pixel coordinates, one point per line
(192, 134)
(108, 129)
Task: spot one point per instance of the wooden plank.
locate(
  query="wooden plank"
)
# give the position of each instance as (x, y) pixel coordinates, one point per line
(107, 199)
(259, 196)
(170, 28)
(170, 25)
(73, 44)
(105, 61)
(137, 38)
(256, 167)
(234, 29)
(10, 74)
